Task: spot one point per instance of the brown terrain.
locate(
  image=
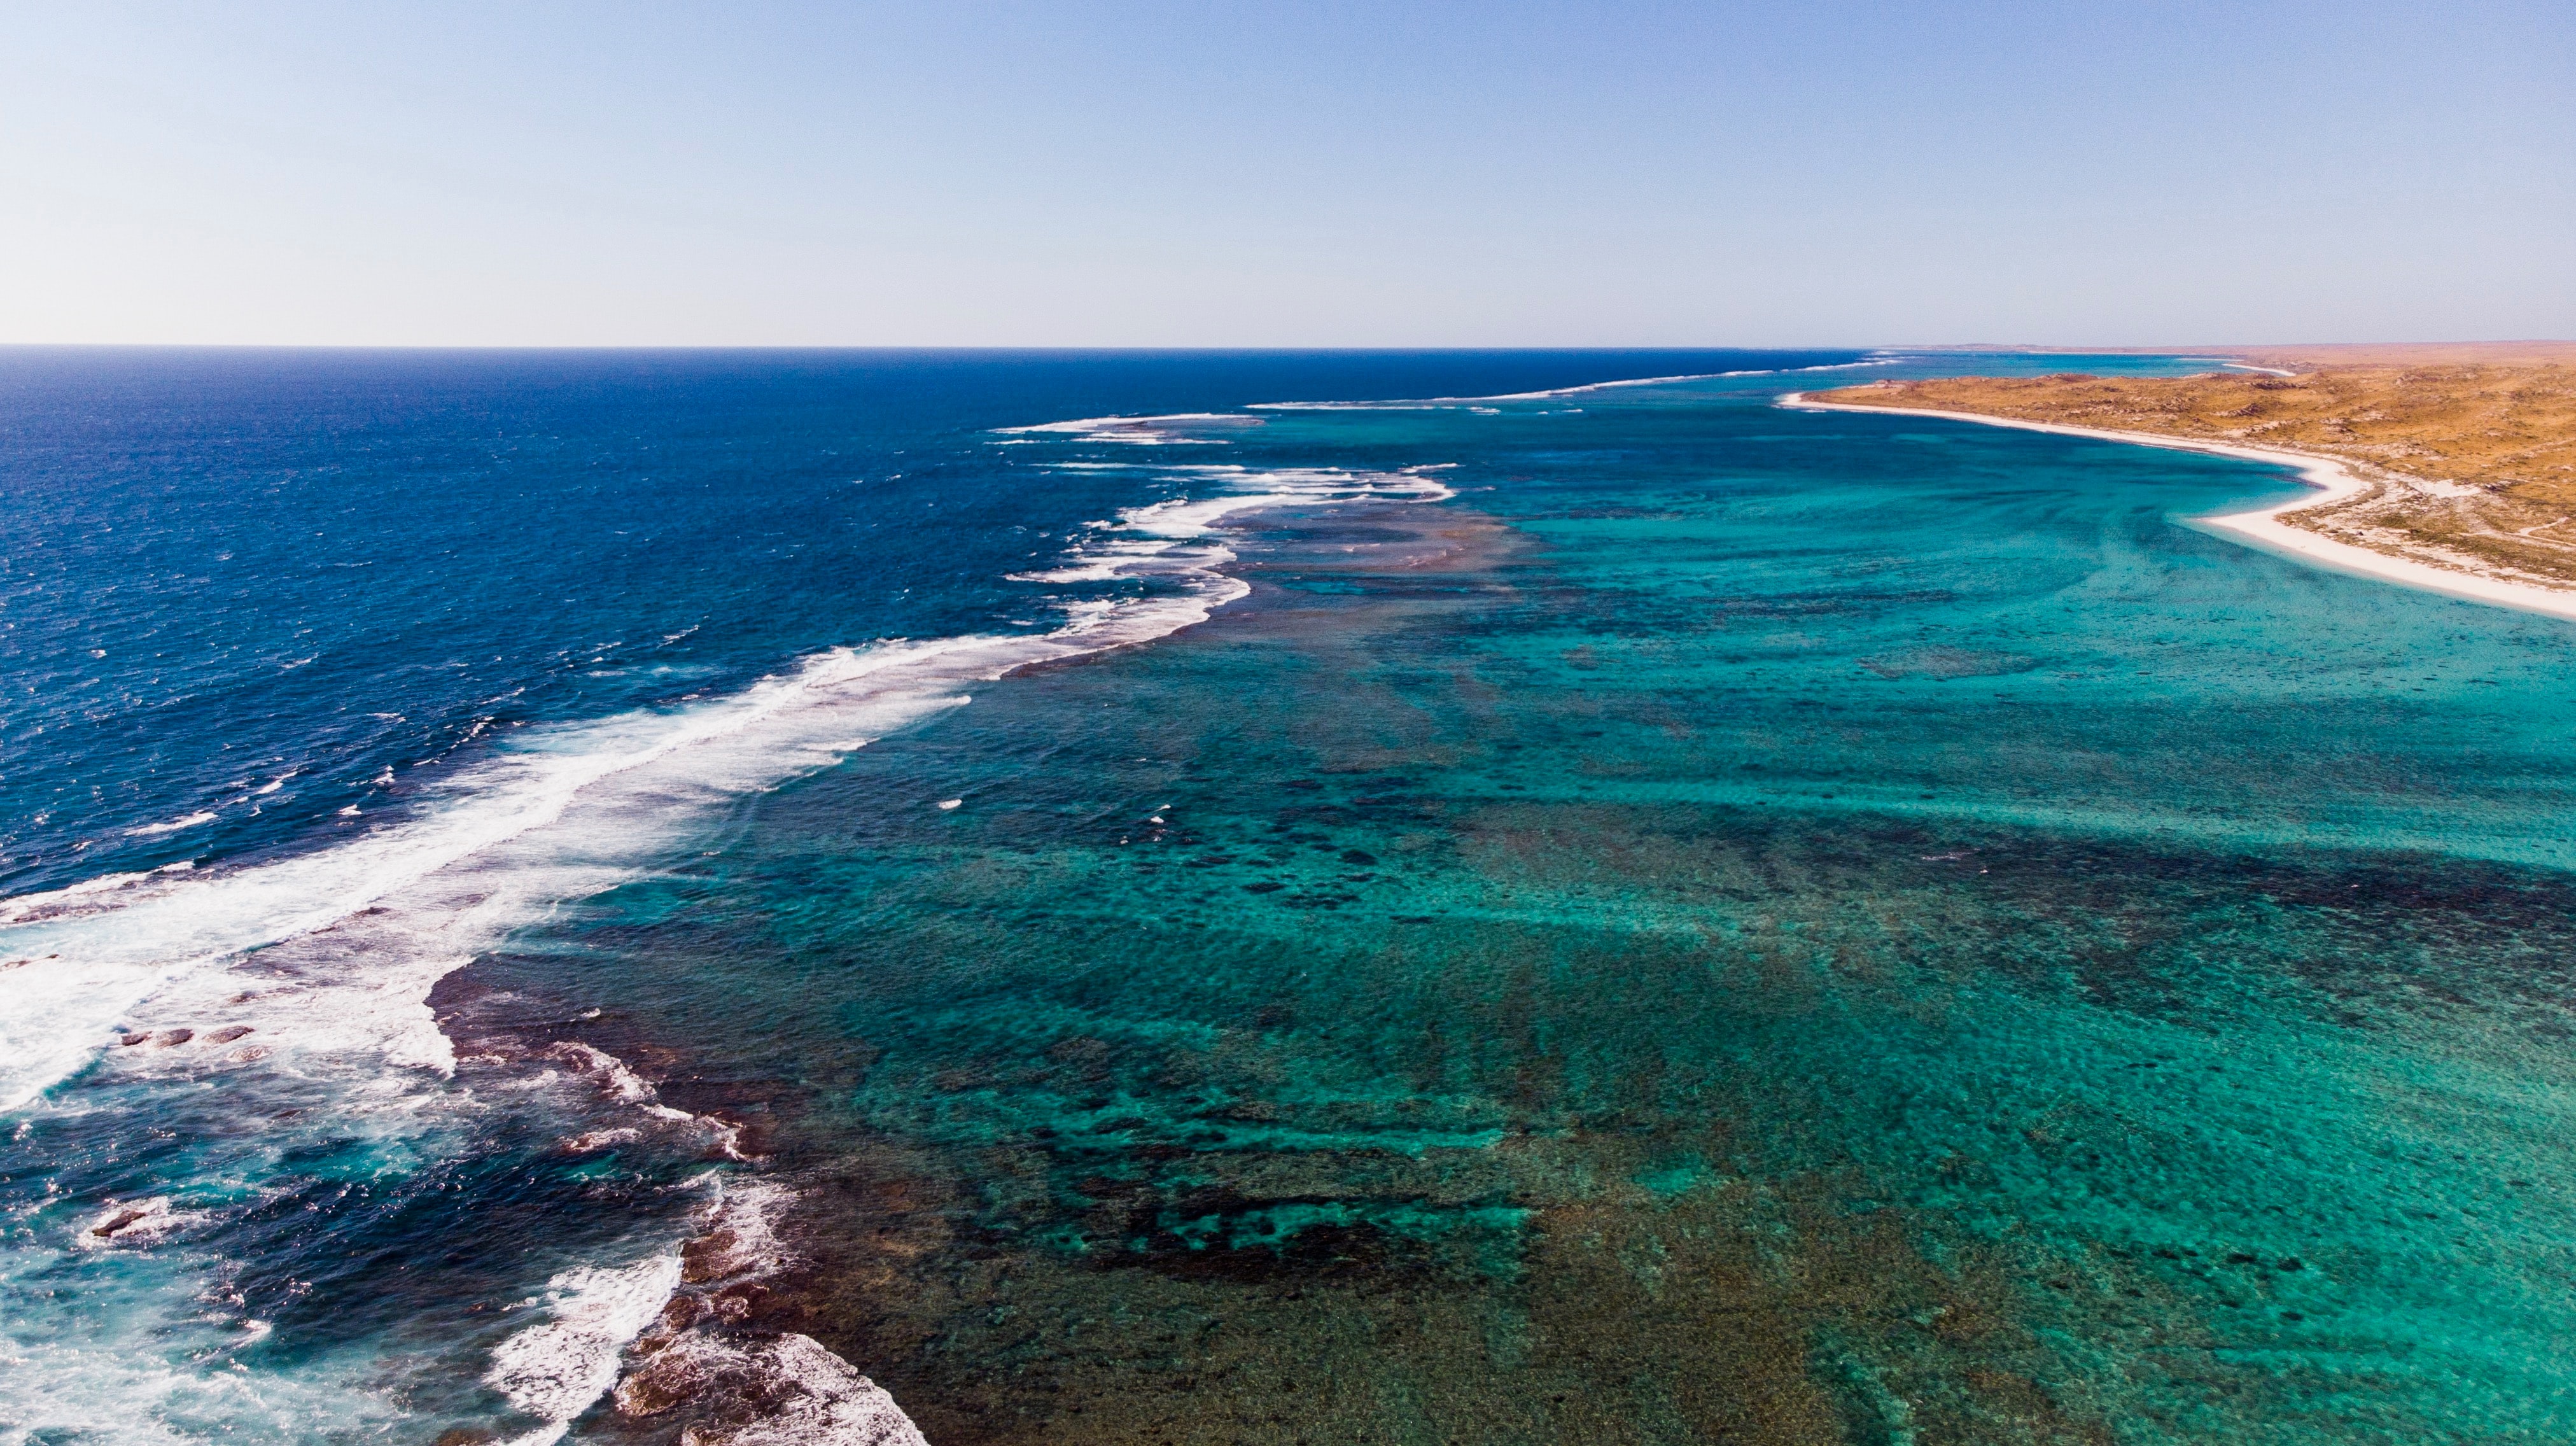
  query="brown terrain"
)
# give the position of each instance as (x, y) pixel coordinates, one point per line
(2471, 446)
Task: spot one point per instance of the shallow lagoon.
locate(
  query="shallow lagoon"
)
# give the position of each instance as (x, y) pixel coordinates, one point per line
(1738, 925)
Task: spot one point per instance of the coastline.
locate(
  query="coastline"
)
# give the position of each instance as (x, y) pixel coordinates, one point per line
(2262, 526)
(1136, 975)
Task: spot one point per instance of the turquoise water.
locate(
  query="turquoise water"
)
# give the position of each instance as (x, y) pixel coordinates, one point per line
(1734, 925)
(1785, 927)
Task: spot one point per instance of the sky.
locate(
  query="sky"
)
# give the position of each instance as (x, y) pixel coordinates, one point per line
(1210, 174)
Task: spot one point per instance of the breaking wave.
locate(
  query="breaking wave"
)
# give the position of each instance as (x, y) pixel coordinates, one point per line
(560, 813)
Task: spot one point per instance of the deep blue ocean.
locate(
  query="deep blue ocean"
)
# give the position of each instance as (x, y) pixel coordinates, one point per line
(229, 568)
(1512, 896)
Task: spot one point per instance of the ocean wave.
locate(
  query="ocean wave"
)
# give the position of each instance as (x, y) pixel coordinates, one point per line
(1438, 404)
(787, 1391)
(125, 1225)
(379, 917)
(739, 1388)
(556, 1370)
(149, 830)
(315, 968)
(53, 1392)
(664, 1336)
(612, 1082)
(333, 951)
(1175, 535)
(1167, 430)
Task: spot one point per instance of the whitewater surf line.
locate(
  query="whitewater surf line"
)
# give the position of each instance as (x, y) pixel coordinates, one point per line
(316, 968)
(1430, 404)
(566, 812)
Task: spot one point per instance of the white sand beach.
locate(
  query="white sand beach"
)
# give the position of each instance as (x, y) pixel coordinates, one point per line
(2263, 528)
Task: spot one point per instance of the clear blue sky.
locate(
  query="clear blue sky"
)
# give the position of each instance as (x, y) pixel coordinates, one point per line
(1354, 174)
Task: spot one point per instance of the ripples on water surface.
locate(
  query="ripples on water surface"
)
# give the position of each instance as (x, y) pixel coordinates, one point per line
(1654, 918)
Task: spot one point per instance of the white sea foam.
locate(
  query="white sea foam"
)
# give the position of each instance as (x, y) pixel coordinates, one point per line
(740, 1238)
(787, 1390)
(1168, 537)
(51, 1391)
(794, 1392)
(375, 921)
(1435, 404)
(556, 1370)
(559, 1368)
(1173, 428)
(612, 1082)
(148, 830)
(142, 1352)
(616, 1080)
(126, 1225)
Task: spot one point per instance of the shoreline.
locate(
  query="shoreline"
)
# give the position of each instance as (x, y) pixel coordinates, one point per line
(2262, 528)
